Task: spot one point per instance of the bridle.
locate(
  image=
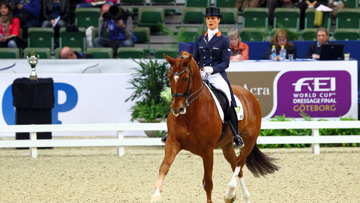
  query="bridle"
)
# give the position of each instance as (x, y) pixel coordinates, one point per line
(187, 94)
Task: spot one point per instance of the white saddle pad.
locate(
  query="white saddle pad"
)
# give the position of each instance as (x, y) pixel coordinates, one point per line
(239, 109)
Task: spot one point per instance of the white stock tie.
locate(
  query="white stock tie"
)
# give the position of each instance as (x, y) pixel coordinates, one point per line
(211, 34)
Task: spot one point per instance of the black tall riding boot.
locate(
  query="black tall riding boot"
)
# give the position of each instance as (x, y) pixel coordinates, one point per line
(234, 126)
(164, 137)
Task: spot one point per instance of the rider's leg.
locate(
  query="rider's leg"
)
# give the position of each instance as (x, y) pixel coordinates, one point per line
(218, 82)
(234, 126)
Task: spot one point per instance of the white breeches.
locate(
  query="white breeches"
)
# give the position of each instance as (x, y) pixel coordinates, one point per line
(218, 82)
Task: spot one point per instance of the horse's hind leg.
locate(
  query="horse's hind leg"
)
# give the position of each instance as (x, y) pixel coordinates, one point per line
(171, 150)
(230, 193)
(241, 160)
(245, 192)
(230, 156)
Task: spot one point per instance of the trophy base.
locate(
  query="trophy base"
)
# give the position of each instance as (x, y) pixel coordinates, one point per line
(33, 77)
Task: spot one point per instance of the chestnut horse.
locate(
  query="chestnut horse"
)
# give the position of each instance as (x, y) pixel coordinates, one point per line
(194, 124)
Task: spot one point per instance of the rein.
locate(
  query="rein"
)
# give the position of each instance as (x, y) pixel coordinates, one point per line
(187, 94)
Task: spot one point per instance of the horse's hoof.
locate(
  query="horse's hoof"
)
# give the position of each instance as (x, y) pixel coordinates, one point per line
(155, 199)
(164, 137)
(230, 200)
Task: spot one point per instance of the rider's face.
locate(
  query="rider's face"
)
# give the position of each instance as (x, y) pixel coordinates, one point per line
(212, 22)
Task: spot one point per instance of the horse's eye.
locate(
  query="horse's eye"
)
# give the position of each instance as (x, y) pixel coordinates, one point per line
(185, 79)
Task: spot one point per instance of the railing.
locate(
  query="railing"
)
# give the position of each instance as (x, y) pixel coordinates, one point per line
(120, 142)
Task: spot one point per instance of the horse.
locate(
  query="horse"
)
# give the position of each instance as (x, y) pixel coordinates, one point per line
(194, 124)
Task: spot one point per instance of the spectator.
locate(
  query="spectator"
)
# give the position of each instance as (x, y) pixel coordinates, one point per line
(120, 24)
(273, 4)
(68, 53)
(9, 28)
(27, 11)
(52, 9)
(104, 8)
(243, 4)
(96, 3)
(314, 50)
(239, 50)
(281, 38)
(309, 4)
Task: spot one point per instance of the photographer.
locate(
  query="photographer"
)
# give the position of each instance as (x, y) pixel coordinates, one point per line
(120, 24)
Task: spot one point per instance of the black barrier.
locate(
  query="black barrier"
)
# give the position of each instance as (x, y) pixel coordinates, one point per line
(33, 100)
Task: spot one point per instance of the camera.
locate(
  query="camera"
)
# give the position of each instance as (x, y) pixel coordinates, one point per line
(114, 13)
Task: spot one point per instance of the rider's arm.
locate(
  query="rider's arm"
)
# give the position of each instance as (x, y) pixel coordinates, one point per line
(225, 57)
(196, 55)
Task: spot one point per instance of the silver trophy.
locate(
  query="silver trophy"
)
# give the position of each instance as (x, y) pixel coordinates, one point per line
(33, 60)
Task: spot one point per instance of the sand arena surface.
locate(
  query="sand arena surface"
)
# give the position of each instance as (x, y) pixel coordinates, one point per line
(99, 175)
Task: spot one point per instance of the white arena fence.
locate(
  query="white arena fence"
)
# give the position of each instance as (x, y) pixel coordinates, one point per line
(120, 142)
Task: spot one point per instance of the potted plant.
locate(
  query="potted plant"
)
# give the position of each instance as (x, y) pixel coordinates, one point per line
(148, 82)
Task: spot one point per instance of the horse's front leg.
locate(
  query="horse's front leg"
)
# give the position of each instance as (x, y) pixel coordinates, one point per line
(208, 160)
(172, 148)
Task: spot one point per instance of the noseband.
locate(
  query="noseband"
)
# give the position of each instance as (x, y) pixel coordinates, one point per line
(186, 94)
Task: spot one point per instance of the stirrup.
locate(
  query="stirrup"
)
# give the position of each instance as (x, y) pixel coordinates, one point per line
(238, 142)
(164, 137)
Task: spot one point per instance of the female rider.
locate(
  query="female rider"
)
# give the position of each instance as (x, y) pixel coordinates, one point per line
(212, 54)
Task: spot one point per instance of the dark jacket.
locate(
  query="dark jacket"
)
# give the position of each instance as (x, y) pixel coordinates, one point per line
(313, 49)
(215, 53)
(83, 56)
(48, 9)
(291, 50)
(117, 33)
(31, 6)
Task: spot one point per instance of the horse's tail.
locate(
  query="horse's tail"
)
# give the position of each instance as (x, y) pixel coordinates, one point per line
(259, 163)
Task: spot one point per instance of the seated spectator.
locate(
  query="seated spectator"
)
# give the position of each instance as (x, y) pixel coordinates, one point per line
(9, 28)
(309, 4)
(314, 50)
(239, 50)
(273, 4)
(281, 38)
(68, 53)
(96, 3)
(52, 9)
(243, 4)
(27, 11)
(121, 30)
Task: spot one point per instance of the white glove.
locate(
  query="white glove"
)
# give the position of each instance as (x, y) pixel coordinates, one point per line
(208, 69)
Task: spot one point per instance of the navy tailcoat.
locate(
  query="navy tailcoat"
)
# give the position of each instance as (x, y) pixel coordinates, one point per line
(215, 53)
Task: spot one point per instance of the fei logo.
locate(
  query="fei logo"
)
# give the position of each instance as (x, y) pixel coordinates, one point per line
(319, 94)
(318, 84)
(70, 103)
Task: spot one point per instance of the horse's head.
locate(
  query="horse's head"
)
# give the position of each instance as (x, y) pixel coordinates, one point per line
(180, 77)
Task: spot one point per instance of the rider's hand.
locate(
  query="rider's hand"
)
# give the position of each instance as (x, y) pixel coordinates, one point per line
(208, 69)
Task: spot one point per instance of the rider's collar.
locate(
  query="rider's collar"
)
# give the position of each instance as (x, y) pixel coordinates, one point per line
(218, 33)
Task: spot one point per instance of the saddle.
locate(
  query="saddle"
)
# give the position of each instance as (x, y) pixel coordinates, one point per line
(230, 117)
(222, 98)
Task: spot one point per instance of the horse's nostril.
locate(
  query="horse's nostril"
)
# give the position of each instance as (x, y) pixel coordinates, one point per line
(181, 109)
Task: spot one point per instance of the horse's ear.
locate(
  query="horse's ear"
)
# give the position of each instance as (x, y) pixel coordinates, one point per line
(189, 58)
(168, 59)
